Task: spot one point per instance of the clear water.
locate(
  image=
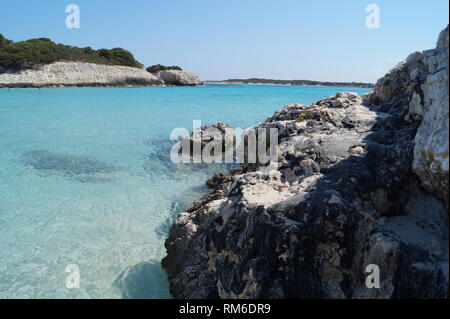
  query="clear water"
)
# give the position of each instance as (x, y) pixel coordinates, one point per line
(85, 179)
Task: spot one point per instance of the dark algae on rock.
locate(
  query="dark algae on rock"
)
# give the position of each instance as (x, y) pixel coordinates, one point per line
(360, 181)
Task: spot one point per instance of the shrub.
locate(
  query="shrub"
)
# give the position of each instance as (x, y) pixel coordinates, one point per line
(158, 67)
(4, 42)
(119, 56)
(36, 52)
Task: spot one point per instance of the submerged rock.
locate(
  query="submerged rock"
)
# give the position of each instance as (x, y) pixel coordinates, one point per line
(82, 168)
(359, 182)
(142, 281)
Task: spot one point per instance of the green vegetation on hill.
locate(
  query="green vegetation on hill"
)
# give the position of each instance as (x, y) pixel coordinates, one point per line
(158, 67)
(299, 82)
(3, 41)
(36, 52)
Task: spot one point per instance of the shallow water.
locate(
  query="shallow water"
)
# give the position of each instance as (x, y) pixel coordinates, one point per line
(85, 179)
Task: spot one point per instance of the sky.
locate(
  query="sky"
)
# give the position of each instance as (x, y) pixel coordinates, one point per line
(324, 40)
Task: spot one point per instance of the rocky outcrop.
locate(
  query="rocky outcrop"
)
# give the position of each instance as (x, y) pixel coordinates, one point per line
(63, 74)
(78, 74)
(423, 77)
(208, 140)
(431, 143)
(179, 78)
(360, 181)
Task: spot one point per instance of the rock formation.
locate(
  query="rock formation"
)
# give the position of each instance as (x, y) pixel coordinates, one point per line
(360, 181)
(207, 140)
(179, 78)
(62, 74)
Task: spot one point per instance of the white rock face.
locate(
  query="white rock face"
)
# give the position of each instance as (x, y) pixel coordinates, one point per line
(443, 39)
(89, 74)
(431, 144)
(79, 74)
(423, 80)
(175, 77)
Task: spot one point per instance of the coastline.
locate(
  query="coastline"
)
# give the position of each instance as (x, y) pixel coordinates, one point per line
(81, 74)
(223, 159)
(360, 181)
(336, 84)
(126, 128)
(90, 85)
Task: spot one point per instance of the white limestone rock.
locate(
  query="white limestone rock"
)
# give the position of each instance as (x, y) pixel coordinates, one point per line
(180, 78)
(79, 74)
(431, 153)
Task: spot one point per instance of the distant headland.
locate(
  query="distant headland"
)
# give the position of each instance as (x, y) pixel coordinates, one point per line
(43, 63)
(296, 82)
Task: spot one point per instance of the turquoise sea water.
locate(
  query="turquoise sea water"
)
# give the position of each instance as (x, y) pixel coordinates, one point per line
(85, 180)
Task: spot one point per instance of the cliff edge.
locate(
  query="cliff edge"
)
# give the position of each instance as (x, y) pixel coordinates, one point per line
(361, 181)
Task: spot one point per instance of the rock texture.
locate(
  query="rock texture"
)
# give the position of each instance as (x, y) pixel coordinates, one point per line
(78, 74)
(208, 140)
(179, 78)
(423, 77)
(62, 74)
(360, 181)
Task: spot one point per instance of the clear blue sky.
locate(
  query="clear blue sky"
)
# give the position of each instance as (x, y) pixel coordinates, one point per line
(283, 39)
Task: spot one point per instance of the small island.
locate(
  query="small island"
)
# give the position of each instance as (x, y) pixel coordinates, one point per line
(43, 63)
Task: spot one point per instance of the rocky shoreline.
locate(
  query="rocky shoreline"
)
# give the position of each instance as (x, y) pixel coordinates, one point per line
(360, 181)
(79, 74)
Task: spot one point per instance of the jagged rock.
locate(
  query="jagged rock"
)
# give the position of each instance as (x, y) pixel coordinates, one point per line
(431, 143)
(181, 78)
(443, 39)
(210, 139)
(423, 77)
(218, 181)
(353, 187)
